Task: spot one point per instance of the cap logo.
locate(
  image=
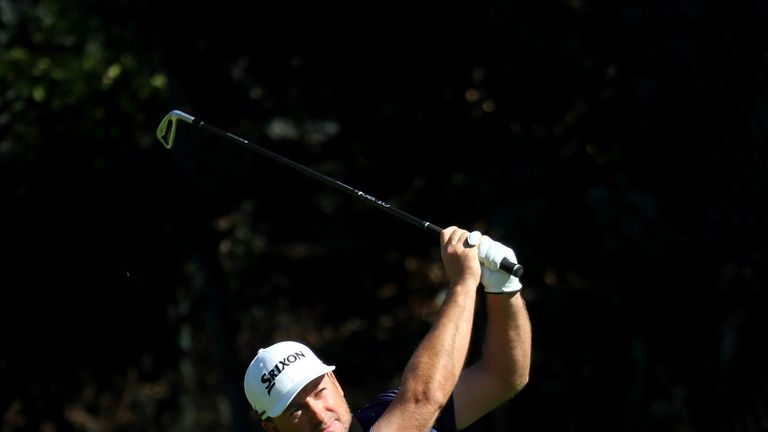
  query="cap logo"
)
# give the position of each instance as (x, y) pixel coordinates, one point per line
(269, 378)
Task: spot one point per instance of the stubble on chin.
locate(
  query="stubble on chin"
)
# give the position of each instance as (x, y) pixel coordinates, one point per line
(346, 418)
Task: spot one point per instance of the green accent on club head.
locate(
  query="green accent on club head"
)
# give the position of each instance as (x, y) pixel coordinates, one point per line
(166, 131)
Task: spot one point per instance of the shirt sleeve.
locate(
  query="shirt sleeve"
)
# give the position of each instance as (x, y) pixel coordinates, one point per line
(445, 422)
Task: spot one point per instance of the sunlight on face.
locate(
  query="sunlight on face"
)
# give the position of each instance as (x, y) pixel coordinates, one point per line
(319, 406)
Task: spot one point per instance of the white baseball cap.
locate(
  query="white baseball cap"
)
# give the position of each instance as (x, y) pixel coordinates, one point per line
(277, 373)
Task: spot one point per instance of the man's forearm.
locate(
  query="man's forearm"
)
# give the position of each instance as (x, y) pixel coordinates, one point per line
(435, 366)
(507, 345)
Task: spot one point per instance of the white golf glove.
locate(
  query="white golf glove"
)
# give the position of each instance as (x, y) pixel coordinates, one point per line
(491, 253)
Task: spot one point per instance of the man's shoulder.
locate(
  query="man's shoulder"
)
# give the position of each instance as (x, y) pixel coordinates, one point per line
(371, 412)
(384, 398)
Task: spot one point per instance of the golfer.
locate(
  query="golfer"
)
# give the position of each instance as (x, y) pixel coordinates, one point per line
(292, 390)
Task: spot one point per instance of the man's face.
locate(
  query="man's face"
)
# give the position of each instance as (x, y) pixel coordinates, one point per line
(319, 407)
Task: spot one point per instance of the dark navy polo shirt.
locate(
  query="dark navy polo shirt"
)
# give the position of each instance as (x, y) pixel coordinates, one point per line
(446, 420)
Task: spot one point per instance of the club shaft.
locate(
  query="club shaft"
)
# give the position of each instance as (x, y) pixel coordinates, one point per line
(506, 265)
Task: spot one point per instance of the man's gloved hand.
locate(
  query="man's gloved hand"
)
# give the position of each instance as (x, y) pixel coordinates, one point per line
(491, 253)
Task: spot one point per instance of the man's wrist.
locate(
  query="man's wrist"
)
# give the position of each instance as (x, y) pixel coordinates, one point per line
(510, 293)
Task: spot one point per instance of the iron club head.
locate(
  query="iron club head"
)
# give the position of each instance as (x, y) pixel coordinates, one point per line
(167, 134)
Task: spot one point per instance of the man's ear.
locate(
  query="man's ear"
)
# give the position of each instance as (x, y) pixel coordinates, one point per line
(335, 381)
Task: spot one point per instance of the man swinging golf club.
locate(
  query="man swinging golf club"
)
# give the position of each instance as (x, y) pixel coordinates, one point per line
(292, 390)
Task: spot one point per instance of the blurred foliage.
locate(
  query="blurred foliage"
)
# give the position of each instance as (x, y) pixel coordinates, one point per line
(619, 148)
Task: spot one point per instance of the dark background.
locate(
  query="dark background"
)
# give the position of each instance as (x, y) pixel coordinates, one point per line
(620, 148)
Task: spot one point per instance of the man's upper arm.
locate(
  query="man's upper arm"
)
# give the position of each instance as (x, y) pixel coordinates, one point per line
(476, 394)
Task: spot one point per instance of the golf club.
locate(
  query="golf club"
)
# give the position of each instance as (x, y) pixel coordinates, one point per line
(166, 133)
